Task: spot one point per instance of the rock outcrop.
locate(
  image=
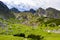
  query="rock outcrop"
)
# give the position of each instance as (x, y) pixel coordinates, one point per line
(53, 13)
(41, 12)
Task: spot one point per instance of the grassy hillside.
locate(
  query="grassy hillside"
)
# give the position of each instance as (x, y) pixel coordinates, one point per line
(31, 25)
(14, 27)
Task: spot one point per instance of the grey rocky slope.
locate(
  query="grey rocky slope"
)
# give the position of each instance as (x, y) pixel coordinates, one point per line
(4, 11)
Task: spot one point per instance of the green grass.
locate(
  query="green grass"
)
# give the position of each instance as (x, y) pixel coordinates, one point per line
(10, 37)
(27, 30)
(12, 28)
(52, 38)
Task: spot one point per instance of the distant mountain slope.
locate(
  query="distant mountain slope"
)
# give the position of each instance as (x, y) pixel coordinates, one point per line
(31, 10)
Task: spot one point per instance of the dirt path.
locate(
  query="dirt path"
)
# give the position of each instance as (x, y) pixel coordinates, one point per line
(53, 31)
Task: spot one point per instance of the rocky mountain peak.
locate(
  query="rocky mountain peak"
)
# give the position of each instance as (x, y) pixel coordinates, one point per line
(15, 10)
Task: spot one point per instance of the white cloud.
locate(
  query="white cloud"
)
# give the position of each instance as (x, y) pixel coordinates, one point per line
(27, 4)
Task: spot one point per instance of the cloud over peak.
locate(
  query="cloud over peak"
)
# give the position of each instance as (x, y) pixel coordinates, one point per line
(27, 4)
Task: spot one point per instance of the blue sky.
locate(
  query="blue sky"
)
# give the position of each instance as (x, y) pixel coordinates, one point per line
(35, 4)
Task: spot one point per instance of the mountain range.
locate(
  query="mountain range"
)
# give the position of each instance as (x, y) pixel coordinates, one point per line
(49, 12)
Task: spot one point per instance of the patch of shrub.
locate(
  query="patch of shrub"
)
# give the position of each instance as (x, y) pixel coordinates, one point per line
(20, 35)
(35, 37)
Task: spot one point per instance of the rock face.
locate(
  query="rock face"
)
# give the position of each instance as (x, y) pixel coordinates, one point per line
(4, 11)
(49, 12)
(41, 12)
(52, 13)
